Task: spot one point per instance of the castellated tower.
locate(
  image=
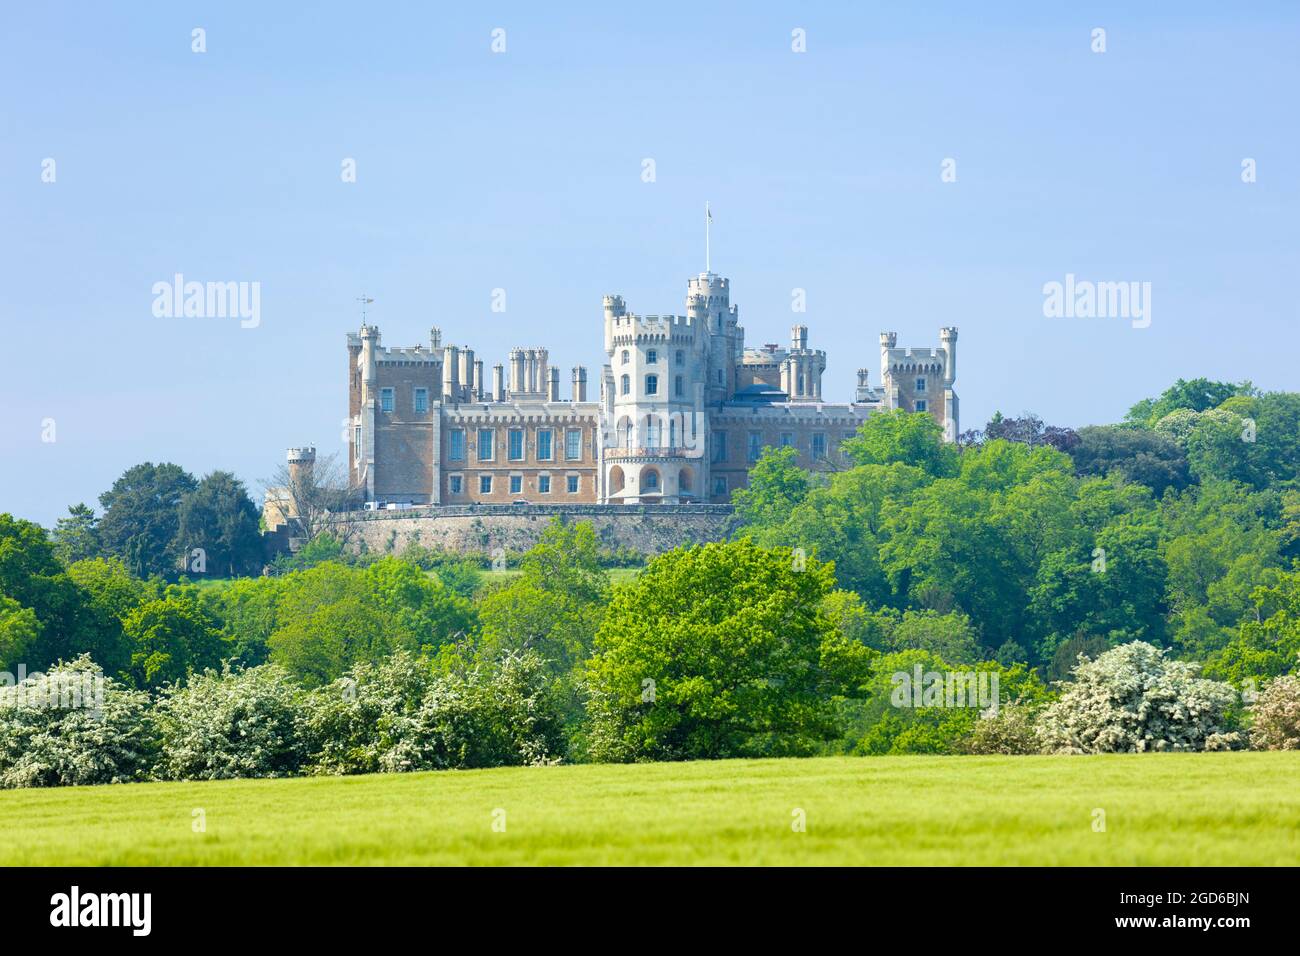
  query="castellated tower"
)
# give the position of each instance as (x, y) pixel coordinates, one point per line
(802, 368)
(921, 380)
(708, 305)
(652, 400)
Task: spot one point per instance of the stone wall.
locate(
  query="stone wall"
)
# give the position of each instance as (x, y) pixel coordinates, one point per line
(647, 529)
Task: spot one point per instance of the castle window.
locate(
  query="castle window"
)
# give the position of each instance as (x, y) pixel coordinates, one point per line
(787, 439)
(485, 484)
(920, 385)
(653, 432)
(515, 447)
(455, 484)
(719, 376)
(386, 400)
(572, 484)
(818, 445)
(755, 446)
(679, 386)
(544, 450)
(681, 357)
(544, 484)
(356, 442)
(922, 405)
(651, 481)
(456, 451)
(626, 356)
(652, 384)
(651, 357)
(485, 442)
(516, 484)
(421, 401)
(719, 446)
(573, 444)
(625, 385)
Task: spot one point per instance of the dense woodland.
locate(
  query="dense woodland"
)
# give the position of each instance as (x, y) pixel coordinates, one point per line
(1147, 567)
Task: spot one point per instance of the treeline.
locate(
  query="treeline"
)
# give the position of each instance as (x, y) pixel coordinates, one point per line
(1130, 587)
(1179, 527)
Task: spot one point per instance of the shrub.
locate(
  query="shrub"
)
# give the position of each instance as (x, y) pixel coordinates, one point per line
(1010, 731)
(1277, 716)
(361, 723)
(231, 724)
(73, 726)
(1134, 699)
(400, 716)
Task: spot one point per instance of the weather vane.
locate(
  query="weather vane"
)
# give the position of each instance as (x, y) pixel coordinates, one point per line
(365, 301)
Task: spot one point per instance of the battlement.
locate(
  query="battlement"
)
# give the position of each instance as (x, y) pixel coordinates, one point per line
(634, 326)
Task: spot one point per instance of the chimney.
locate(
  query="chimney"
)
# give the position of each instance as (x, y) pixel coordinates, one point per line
(579, 383)
(498, 382)
(553, 385)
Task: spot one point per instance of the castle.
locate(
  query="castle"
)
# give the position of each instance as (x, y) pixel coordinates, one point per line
(684, 410)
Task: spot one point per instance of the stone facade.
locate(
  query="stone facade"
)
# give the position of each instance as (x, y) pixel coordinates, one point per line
(685, 409)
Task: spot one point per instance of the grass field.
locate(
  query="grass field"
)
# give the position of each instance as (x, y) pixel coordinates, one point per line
(1201, 809)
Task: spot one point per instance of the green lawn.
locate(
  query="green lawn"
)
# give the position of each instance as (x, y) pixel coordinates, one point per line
(1202, 809)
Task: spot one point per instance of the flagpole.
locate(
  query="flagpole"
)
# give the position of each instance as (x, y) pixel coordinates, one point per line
(708, 218)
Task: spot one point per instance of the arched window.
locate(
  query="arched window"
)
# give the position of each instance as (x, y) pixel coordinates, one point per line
(626, 356)
(626, 384)
(652, 384)
(651, 482)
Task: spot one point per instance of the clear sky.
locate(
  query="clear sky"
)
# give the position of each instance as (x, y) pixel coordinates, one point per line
(523, 171)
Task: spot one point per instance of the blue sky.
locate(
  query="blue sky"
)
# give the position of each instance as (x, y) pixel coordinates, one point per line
(523, 171)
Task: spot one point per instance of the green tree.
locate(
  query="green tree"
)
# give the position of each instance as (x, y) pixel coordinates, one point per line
(1146, 457)
(141, 516)
(219, 518)
(913, 438)
(720, 650)
(76, 537)
(171, 637)
(776, 485)
(1196, 395)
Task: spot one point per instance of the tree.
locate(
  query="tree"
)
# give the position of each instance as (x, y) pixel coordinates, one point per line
(319, 498)
(1134, 699)
(1267, 644)
(76, 537)
(67, 622)
(1196, 395)
(776, 485)
(913, 438)
(141, 516)
(172, 636)
(1139, 455)
(332, 616)
(1027, 430)
(720, 650)
(219, 520)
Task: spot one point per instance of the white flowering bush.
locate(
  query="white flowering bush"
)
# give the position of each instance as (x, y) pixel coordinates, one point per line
(232, 724)
(363, 723)
(1134, 699)
(73, 726)
(1276, 714)
(400, 716)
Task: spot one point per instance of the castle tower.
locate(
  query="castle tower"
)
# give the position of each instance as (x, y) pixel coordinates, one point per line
(302, 461)
(951, 412)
